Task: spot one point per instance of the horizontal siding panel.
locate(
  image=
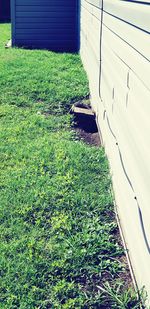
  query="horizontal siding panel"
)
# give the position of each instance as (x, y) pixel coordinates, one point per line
(44, 41)
(131, 35)
(39, 20)
(56, 36)
(49, 14)
(46, 31)
(129, 12)
(47, 8)
(41, 3)
(25, 27)
(96, 3)
(133, 58)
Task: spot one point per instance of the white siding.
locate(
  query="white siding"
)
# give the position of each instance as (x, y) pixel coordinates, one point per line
(123, 64)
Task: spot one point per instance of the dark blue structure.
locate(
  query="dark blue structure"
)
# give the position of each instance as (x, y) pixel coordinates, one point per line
(46, 24)
(4, 10)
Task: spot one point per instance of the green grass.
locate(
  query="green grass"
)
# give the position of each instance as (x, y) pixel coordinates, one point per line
(59, 238)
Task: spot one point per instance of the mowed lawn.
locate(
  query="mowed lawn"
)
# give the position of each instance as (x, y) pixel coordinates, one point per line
(59, 239)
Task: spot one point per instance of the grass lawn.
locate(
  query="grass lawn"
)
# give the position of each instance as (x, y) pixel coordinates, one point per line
(59, 238)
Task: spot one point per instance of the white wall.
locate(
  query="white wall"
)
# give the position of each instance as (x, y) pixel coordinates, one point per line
(119, 75)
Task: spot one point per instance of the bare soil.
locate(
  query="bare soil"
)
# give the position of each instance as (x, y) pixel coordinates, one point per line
(85, 125)
(92, 139)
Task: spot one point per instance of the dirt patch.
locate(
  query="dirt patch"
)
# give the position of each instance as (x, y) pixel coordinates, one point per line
(85, 124)
(89, 138)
